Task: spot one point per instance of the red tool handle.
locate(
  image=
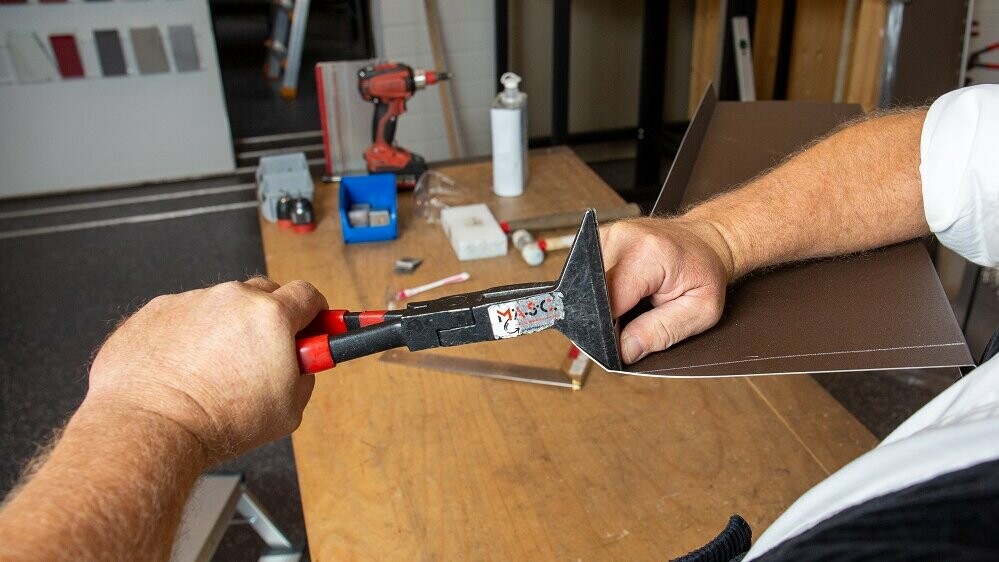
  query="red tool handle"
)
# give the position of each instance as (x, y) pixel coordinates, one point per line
(312, 343)
(314, 354)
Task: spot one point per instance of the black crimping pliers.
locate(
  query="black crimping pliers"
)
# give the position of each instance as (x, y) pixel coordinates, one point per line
(576, 305)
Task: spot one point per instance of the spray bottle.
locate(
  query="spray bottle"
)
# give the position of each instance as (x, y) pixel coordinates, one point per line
(508, 118)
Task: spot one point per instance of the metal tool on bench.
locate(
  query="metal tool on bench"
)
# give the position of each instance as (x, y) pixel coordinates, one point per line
(569, 219)
(576, 304)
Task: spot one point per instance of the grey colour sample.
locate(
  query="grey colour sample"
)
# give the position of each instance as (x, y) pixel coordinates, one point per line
(109, 52)
(149, 52)
(185, 50)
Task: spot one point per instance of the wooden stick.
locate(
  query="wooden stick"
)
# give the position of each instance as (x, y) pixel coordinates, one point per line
(433, 27)
(570, 219)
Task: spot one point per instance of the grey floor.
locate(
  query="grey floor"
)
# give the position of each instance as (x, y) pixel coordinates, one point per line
(62, 293)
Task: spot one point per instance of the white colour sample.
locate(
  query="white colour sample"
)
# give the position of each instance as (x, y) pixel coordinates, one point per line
(473, 232)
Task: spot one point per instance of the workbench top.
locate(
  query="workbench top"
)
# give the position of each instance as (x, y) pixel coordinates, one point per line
(400, 463)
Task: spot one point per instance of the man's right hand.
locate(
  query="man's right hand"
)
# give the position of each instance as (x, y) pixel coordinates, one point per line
(683, 265)
(219, 362)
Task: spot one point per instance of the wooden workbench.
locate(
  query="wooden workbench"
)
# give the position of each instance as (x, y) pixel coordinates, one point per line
(398, 463)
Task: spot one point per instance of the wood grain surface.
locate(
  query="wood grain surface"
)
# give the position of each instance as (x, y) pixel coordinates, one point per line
(866, 54)
(766, 46)
(704, 50)
(818, 29)
(400, 463)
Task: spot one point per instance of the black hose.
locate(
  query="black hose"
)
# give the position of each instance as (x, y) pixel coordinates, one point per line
(733, 542)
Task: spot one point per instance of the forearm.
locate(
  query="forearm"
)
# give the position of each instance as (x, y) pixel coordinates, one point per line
(113, 488)
(855, 190)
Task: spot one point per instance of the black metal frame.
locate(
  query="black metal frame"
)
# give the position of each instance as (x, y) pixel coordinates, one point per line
(651, 92)
(502, 17)
(783, 70)
(561, 23)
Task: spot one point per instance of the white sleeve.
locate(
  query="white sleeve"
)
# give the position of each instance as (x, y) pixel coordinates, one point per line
(959, 167)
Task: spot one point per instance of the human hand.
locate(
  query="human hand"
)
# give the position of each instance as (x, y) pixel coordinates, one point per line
(219, 362)
(683, 265)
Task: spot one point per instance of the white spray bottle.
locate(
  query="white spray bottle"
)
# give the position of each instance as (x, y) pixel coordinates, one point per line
(508, 119)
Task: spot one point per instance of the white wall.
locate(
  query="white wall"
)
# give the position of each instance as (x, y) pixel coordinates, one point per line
(467, 30)
(96, 131)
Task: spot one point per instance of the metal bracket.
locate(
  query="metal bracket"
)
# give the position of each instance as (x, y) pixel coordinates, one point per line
(280, 548)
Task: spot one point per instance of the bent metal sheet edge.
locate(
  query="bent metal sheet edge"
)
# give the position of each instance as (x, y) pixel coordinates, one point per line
(879, 310)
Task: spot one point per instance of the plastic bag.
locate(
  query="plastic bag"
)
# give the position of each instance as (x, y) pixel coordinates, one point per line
(434, 191)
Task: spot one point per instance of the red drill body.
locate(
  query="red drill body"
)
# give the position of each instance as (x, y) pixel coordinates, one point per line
(388, 85)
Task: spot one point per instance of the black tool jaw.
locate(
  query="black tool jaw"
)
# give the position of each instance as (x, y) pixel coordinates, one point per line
(588, 321)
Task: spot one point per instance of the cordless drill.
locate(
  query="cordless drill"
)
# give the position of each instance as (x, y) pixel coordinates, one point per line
(388, 85)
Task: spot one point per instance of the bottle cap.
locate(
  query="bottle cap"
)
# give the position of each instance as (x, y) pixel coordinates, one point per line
(511, 83)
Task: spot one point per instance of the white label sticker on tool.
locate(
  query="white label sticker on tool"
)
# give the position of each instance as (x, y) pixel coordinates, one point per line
(525, 316)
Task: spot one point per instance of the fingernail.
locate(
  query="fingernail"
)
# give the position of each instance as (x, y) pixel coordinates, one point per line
(632, 349)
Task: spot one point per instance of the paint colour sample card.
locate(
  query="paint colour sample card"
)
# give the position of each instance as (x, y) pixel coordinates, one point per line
(67, 55)
(185, 50)
(31, 61)
(109, 52)
(149, 52)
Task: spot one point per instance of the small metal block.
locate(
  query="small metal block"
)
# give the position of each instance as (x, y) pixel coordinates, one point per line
(407, 265)
(358, 217)
(378, 218)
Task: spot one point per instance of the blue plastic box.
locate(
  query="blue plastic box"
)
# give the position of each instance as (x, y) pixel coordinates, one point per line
(377, 190)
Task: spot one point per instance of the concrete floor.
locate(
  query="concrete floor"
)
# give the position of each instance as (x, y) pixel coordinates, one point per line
(63, 293)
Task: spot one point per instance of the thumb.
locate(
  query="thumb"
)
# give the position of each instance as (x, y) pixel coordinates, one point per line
(665, 325)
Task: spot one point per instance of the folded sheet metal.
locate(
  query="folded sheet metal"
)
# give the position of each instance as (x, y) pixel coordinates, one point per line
(883, 309)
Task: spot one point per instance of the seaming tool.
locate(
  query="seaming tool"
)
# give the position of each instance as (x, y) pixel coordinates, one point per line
(577, 304)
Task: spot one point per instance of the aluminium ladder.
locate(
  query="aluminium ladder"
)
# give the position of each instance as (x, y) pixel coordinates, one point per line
(284, 48)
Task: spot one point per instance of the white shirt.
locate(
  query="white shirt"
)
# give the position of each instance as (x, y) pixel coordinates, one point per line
(959, 168)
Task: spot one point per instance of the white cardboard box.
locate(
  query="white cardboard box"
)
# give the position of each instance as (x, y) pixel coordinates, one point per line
(474, 232)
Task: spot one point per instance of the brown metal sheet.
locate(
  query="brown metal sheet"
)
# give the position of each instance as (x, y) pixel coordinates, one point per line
(678, 178)
(883, 309)
(745, 139)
